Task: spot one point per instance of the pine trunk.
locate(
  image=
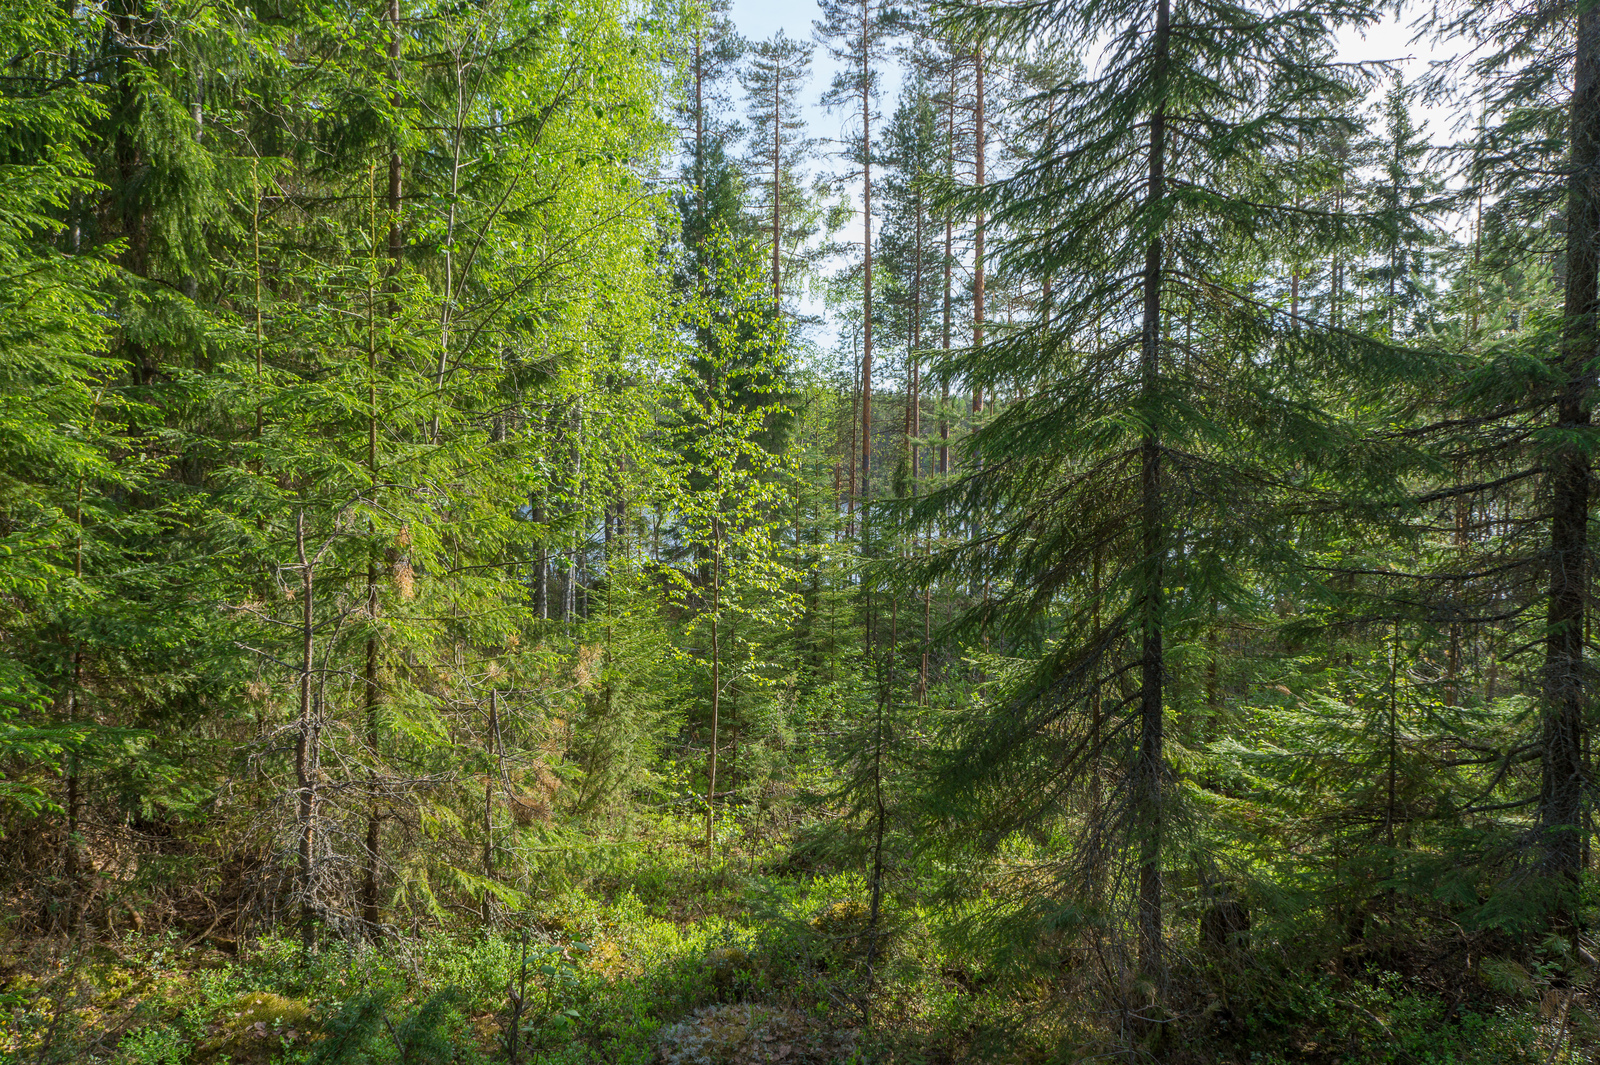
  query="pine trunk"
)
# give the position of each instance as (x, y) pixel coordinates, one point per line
(979, 152)
(777, 176)
(866, 276)
(949, 265)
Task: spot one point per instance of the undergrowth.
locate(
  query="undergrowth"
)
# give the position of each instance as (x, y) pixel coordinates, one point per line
(647, 953)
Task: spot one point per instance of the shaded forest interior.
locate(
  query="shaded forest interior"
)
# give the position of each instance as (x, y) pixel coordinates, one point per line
(516, 546)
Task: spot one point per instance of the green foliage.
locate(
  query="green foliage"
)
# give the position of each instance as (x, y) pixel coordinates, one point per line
(1384, 1022)
(433, 559)
(152, 1045)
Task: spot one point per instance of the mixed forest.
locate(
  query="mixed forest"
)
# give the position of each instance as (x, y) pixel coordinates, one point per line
(520, 543)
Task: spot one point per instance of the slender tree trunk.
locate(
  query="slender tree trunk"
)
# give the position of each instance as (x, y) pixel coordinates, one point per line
(492, 742)
(1149, 771)
(1294, 267)
(855, 425)
(949, 265)
(1336, 264)
(396, 245)
(570, 611)
(74, 819)
(866, 273)
(369, 872)
(260, 325)
(371, 918)
(1213, 672)
(979, 153)
(838, 476)
(914, 414)
(699, 124)
(541, 579)
(459, 66)
(1394, 744)
(73, 858)
(1096, 724)
(1563, 784)
(777, 173)
(914, 431)
(372, 856)
(1452, 663)
(131, 27)
(306, 748)
(716, 686)
(979, 158)
(880, 816)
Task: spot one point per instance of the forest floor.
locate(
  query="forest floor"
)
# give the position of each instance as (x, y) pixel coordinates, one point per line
(640, 951)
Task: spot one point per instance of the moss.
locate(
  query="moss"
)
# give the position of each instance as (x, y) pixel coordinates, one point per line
(724, 964)
(842, 919)
(753, 1035)
(254, 1028)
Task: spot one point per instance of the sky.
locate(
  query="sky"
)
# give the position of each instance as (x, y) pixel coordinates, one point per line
(759, 19)
(1389, 41)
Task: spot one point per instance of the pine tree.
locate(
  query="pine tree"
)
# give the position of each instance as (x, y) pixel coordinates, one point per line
(856, 35)
(711, 54)
(910, 250)
(777, 72)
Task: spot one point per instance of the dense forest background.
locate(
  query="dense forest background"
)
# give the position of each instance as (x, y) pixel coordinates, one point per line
(516, 546)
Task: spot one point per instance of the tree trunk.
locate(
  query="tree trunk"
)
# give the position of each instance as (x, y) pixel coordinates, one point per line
(1096, 721)
(777, 173)
(699, 124)
(880, 817)
(541, 579)
(74, 819)
(914, 431)
(306, 748)
(1562, 784)
(866, 274)
(1149, 771)
(855, 425)
(979, 153)
(716, 686)
(914, 389)
(949, 263)
(492, 742)
(372, 856)
(1452, 666)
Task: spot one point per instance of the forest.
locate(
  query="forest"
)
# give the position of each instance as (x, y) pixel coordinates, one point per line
(1004, 531)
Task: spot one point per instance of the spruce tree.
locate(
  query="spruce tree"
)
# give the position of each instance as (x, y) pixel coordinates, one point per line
(1411, 198)
(59, 477)
(1534, 75)
(1168, 401)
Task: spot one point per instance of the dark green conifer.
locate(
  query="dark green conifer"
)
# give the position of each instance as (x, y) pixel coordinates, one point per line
(1172, 414)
